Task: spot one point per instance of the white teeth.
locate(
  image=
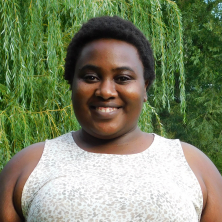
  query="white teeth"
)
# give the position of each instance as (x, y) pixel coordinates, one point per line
(105, 109)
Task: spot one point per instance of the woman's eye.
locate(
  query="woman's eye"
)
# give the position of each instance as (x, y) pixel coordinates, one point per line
(90, 78)
(122, 79)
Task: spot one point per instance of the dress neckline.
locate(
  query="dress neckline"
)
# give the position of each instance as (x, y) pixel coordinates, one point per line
(152, 145)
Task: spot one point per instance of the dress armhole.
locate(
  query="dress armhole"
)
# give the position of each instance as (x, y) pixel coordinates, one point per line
(26, 198)
(199, 205)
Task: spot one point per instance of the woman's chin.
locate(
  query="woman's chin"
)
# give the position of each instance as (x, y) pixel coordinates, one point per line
(109, 133)
(105, 135)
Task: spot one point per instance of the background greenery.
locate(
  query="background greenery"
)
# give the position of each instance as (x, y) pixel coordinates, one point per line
(35, 101)
(202, 34)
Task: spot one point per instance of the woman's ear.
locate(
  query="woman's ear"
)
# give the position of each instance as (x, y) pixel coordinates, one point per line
(145, 93)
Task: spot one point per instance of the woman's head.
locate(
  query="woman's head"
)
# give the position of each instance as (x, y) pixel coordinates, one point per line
(107, 27)
(109, 66)
(108, 88)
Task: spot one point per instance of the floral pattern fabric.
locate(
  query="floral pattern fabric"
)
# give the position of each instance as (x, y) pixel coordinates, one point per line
(71, 184)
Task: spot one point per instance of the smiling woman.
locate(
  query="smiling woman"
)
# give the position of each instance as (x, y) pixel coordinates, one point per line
(108, 88)
(110, 170)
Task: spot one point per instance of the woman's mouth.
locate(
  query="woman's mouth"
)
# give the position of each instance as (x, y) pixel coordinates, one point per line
(106, 109)
(105, 112)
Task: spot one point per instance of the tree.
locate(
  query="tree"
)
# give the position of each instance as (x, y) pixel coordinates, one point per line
(202, 24)
(35, 101)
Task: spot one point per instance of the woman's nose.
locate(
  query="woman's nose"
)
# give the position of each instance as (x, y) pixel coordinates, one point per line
(106, 89)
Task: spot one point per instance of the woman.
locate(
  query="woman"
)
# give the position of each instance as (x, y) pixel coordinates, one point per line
(110, 170)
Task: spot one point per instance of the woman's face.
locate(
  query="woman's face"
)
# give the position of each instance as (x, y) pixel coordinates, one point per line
(108, 88)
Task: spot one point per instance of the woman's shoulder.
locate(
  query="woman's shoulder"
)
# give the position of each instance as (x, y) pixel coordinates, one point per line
(14, 176)
(23, 160)
(209, 179)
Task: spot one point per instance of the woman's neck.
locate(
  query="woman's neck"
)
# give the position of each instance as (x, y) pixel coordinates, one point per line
(134, 141)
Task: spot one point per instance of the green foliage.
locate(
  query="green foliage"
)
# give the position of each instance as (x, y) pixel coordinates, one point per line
(35, 101)
(202, 59)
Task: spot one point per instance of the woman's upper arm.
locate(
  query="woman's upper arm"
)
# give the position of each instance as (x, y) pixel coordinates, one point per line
(205, 169)
(213, 181)
(8, 178)
(22, 163)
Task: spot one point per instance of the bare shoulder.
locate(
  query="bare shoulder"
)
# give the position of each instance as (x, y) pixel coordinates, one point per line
(210, 181)
(13, 178)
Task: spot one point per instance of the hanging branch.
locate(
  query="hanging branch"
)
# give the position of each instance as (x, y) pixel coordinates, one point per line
(35, 101)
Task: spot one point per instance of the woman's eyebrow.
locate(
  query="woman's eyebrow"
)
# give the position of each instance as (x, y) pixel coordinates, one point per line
(123, 68)
(89, 67)
(96, 68)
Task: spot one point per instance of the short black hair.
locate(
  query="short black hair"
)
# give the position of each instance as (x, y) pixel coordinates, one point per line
(111, 28)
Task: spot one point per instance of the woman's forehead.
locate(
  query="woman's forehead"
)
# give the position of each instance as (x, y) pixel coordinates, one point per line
(112, 51)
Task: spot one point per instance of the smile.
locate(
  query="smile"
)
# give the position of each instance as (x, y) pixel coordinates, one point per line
(106, 109)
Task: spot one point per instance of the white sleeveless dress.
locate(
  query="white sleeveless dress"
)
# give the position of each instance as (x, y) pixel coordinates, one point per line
(70, 184)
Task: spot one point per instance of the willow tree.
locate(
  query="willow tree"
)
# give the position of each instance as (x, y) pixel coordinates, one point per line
(35, 101)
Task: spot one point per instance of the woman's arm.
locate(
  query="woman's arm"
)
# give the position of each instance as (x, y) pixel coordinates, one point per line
(8, 179)
(210, 181)
(12, 181)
